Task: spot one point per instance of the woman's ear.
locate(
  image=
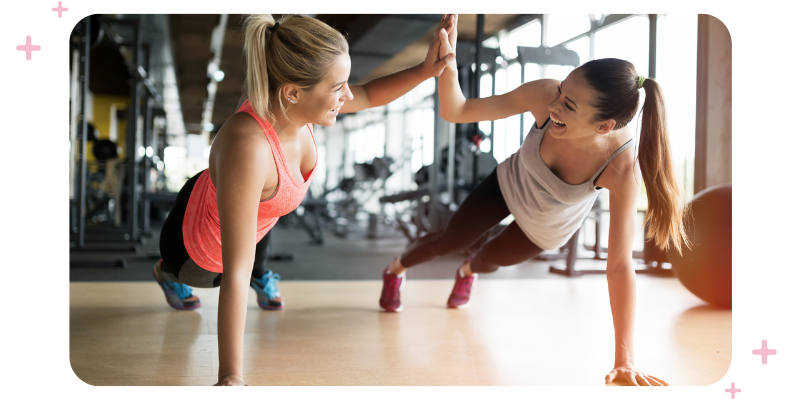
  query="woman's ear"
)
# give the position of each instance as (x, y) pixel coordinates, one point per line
(290, 93)
(606, 126)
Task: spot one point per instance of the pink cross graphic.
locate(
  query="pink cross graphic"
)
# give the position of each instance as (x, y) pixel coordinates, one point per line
(60, 9)
(764, 352)
(733, 390)
(28, 48)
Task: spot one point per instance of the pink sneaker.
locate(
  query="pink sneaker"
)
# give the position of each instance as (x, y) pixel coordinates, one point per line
(390, 296)
(459, 297)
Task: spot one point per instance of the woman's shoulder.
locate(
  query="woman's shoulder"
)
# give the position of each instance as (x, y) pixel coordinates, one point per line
(242, 135)
(622, 173)
(540, 93)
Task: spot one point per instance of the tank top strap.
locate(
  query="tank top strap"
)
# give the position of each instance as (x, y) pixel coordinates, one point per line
(613, 156)
(272, 138)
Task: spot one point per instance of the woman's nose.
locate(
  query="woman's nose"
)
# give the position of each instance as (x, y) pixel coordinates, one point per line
(348, 94)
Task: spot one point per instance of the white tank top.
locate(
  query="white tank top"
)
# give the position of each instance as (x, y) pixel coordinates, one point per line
(546, 208)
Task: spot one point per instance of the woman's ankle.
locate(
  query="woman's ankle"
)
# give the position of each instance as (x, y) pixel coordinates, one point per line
(396, 268)
(466, 269)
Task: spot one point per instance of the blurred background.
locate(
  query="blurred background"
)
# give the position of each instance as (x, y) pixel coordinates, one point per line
(149, 92)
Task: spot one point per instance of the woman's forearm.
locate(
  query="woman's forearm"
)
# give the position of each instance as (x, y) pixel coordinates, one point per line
(384, 90)
(451, 100)
(622, 294)
(231, 317)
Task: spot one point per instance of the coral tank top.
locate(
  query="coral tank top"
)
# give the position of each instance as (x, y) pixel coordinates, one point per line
(201, 232)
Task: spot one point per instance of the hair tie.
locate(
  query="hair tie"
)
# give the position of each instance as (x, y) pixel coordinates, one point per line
(274, 27)
(641, 82)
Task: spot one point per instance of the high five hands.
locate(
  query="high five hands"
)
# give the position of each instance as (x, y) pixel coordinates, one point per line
(442, 48)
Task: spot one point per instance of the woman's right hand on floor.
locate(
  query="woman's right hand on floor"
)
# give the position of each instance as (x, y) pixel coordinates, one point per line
(231, 380)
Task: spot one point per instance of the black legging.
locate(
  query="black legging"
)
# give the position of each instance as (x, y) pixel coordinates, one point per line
(481, 210)
(177, 262)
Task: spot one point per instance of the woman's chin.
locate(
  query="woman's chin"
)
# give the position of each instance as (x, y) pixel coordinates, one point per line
(327, 122)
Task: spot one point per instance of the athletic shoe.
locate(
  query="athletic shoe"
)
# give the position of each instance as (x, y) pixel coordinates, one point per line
(266, 287)
(390, 296)
(179, 296)
(459, 297)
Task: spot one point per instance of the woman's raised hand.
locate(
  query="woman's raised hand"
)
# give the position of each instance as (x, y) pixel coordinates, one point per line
(447, 39)
(440, 52)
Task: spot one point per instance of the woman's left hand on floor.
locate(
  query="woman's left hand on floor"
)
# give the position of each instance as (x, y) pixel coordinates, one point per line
(231, 380)
(631, 376)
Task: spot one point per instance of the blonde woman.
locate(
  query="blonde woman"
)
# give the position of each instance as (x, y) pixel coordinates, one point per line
(260, 166)
(581, 142)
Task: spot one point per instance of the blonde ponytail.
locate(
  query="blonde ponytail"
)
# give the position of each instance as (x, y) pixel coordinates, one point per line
(257, 27)
(296, 50)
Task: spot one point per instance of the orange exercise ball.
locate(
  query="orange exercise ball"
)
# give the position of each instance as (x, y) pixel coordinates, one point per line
(706, 268)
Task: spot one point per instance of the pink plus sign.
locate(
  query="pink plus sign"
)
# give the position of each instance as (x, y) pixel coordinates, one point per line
(28, 48)
(733, 390)
(764, 352)
(60, 9)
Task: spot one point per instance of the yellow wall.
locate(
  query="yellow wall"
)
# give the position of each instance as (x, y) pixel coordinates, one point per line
(102, 121)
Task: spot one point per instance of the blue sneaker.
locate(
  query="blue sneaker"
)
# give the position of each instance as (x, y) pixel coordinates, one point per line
(266, 287)
(179, 296)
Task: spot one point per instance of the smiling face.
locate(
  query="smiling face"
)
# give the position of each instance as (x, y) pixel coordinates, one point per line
(320, 105)
(572, 112)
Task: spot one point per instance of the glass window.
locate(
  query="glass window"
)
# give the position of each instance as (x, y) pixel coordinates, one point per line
(627, 40)
(500, 83)
(486, 85)
(532, 72)
(562, 27)
(513, 76)
(580, 46)
(512, 143)
(500, 140)
(529, 35)
(512, 135)
(676, 73)
(559, 72)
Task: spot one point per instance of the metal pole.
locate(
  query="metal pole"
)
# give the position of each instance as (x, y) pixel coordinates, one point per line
(132, 117)
(451, 157)
(476, 77)
(653, 26)
(147, 163)
(433, 171)
(494, 87)
(476, 91)
(84, 81)
(521, 116)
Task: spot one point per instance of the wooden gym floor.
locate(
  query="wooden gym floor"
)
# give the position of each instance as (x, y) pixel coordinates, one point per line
(516, 332)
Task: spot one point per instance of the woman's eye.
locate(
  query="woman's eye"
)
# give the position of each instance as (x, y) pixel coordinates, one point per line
(570, 108)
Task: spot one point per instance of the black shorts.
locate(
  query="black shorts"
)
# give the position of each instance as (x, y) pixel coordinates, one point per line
(177, 265)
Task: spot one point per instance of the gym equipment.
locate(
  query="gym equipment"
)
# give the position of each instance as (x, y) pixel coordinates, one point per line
(111, 198)
(705, 269)
(649, 261)
(315, 213)
(417, 219)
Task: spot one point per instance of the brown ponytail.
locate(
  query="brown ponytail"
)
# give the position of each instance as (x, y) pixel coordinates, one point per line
(664, 214)
(616, 87)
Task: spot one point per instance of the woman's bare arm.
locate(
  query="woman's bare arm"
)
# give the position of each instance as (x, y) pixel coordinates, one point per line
(384, 90)
(454, 107)
(241, 169)
(623, 180)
